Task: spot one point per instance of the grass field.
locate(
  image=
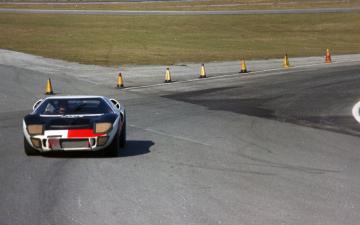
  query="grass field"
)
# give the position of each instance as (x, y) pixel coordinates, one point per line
(190, 5)
(113, 40)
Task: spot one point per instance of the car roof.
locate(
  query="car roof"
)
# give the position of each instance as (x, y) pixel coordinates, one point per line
(74, 97)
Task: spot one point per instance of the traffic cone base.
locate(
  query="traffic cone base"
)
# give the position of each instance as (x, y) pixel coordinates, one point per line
(202, 71)
(49, 89)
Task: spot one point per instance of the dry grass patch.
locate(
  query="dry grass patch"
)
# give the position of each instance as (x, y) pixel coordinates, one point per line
(113, 40)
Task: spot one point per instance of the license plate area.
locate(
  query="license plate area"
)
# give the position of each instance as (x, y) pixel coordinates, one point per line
(54, 144)
(75, 144)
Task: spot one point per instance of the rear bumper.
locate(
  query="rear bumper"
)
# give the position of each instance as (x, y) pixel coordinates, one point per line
(69, 144)
(67, 140)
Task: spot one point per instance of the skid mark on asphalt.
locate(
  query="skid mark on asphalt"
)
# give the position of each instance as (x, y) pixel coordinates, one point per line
(170, 135)
(310, 102)
(298, 168)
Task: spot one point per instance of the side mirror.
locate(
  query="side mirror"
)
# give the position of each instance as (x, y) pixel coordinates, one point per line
(116, 103)
(37, 103)
(356, 112)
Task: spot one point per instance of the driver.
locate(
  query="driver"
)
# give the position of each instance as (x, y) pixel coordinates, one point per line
(62, 107)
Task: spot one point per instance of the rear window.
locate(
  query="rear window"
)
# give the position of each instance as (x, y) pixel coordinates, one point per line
(73, 106)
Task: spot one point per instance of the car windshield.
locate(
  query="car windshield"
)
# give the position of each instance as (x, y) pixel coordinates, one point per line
(73, 106)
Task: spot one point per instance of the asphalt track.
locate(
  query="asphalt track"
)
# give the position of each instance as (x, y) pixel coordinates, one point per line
(273, 148)
(152, 12)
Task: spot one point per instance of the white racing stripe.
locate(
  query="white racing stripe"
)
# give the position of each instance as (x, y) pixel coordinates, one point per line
(62, 133)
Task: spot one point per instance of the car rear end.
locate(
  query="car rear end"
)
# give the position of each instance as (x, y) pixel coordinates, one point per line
(89, 130)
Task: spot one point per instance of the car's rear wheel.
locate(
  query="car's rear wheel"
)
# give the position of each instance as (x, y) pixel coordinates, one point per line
(113, 148)
(123, 135)
(118, 142)
(29, 150)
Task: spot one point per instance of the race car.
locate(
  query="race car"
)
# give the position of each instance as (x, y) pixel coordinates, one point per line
(75, 123)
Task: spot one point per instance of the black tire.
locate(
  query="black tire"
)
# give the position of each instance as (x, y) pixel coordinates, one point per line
(29, 151)
(113, 148)
(123, 135)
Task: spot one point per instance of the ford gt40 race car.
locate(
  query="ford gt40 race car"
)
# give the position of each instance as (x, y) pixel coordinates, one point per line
(75, 123)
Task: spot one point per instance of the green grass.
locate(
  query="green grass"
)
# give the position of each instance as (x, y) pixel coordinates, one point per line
(113, 40)
(192, 5)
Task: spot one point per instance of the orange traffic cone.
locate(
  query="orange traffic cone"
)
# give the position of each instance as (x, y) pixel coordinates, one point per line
(243, 66)
(167, 76)
(120, 81)
(48, 88)
(286, 63)
(327, 56)
(202, 71)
